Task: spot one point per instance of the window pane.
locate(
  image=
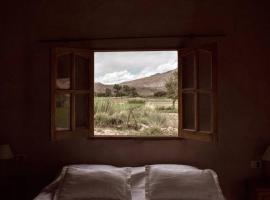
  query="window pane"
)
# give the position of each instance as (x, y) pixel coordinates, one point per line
(136, 93)
(204, 101)
(82, 73)
(64, 63)
(188, 111)
(205, 68)
(188, 69)
(62, 112)
(82, 110)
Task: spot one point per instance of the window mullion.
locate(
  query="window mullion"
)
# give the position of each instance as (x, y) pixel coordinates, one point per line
(196, 92)
(91, 96)
(73, 114)
(53, 93)
(180, 95)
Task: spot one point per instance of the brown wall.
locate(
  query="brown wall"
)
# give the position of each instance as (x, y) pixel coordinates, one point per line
(243, 82)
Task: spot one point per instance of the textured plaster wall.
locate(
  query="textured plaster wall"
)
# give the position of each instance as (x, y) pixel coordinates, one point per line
(243, 82)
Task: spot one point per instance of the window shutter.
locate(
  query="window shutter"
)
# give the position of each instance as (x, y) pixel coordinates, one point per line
(197, 90)
(71, 92)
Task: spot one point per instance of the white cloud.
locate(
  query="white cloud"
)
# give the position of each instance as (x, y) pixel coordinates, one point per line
(115, 77)
(117, 67)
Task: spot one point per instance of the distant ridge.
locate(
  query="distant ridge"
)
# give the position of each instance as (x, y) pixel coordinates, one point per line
(146, 86)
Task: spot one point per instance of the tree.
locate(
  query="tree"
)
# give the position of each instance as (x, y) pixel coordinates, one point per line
(133, 92)
(172, 87)
(117, 89)
(126, 90)
(108, 92)
(160, 94)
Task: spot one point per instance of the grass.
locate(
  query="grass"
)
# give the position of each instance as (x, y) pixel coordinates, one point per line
(138, 116)
(136, 101)
(128, 116)
(104, 106)
(168, 109)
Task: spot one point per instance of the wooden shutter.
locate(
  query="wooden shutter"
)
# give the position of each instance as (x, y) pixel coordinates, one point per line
(197, 89)
(71, 92)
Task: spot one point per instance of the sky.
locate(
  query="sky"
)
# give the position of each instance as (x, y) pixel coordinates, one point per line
(118, 67)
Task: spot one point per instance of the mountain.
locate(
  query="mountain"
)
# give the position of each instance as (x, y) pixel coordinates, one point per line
(146, 86)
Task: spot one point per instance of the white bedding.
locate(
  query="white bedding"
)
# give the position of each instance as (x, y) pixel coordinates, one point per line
(137, 180)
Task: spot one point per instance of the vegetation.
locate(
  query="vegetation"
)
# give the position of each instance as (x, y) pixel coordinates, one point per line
(172, 87)
(117, 89)
(136, 101)
(168, 109)
(135, 116)
(120, 111)
(160, 94)
(108, 92)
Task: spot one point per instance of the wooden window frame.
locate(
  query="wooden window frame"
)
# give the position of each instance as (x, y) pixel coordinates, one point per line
(210, 136)
(55, 53)
(196, 134)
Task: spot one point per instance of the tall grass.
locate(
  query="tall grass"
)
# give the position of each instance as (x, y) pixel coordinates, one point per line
(136, 101)
(131, 114)
(166, 109)
(104, 106)
(114, 120)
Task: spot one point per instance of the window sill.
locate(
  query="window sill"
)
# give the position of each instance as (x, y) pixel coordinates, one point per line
(84, 134)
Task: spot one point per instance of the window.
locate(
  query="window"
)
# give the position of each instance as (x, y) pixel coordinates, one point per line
(71, 93)
(141, 94)
(136, 93)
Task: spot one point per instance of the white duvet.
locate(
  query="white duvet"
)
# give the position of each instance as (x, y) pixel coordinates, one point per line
(143, 183)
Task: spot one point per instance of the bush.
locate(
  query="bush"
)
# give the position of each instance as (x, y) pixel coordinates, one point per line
(168, 109)
(136, 101)
(152, 131)
(105, 120)
(100, 94)
(157, 119)
(160, 94)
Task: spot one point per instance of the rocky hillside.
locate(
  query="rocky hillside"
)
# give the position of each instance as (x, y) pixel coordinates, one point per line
(146, 86)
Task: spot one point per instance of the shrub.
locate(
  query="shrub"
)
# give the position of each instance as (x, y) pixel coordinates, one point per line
(152, 131)
(160, 94)
(100, 94)
(168, 109)
(136, 101)
(157, 119)
(105, 120)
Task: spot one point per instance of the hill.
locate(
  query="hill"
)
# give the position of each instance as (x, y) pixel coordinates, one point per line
(146, 86)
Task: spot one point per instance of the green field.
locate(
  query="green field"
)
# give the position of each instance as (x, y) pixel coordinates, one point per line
(135, 116)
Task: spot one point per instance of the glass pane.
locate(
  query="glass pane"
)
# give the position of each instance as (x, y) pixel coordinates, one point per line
(136, 93)
(188, 111)
(82, 110)
(204, 101)
(62, 112)
(82, 73)
(64, 63)
(205, 69)
(188, 69)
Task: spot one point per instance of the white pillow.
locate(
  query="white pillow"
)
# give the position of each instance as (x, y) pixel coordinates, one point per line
(92, 184)
(181, 183)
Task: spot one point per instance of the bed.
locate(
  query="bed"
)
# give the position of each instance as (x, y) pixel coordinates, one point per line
(151, 182)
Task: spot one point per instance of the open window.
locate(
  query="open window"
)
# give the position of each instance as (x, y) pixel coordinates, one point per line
(134, 94)
(71, 92)
(198, 93)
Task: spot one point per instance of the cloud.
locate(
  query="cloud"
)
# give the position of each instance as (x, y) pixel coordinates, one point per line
(115, 77)
(117, 67)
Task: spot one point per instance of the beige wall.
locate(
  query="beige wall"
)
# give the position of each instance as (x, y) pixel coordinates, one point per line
(243, 82)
